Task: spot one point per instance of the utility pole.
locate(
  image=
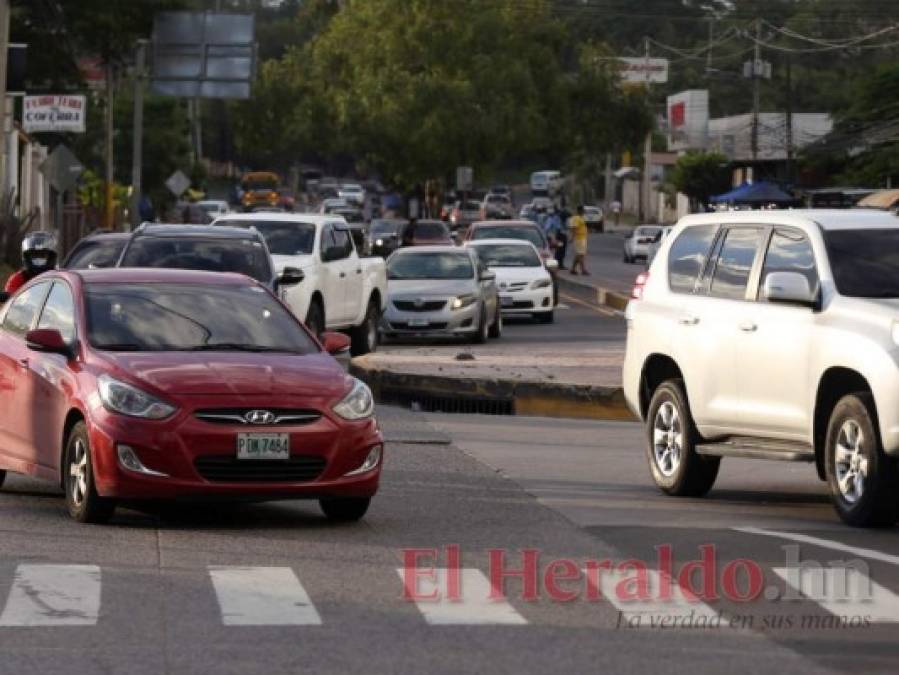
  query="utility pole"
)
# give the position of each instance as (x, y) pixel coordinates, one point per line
(137, 153)
(4, 48)
(645, 185)
(756, 76)
(708, 54)
(789, 116)
(109, 210)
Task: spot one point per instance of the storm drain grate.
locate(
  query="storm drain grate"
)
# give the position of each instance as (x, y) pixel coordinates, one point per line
(450, 404)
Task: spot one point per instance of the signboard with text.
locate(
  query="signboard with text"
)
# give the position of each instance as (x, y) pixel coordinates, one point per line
(54, 113)
(634, 70)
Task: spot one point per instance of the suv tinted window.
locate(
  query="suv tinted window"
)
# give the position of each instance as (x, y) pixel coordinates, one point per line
(343, 244)
(24, 308)
(790, 252)
(59, 312)
(735, 263)
(688, 255)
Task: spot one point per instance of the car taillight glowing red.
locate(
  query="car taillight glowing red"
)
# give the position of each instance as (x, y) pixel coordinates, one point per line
(639, 285)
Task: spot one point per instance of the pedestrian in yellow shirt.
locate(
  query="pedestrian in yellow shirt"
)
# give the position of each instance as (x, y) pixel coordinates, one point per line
(579, 233)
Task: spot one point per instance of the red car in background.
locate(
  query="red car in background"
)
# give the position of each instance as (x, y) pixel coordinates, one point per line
(151, 384)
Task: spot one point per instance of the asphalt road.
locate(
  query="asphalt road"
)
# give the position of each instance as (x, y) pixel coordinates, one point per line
(594, 474)
(605, 264)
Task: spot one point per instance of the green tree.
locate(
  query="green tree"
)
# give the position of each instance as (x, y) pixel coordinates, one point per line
(701, 175)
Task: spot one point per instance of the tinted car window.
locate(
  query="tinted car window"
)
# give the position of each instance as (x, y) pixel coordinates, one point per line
(790, 252)
(59, 312)
(244, 256)
(385, 227)
(508, 255)
(342, 243)
(282, 238)
(735, 263)
(190, 317)
(865, 263)
(430, 266)
(20, 315)
(95, 253)
(688, 255)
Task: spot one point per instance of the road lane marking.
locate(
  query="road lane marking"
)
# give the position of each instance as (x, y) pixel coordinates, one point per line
(474, 606)
(843, 591)
(53, 595)
(262, 596)
(869, 553)
(605, 311)
(652, 612)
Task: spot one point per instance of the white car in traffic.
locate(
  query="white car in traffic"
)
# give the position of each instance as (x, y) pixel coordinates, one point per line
(523, 281)
(340, 290)
(353, 193)
(638, 241)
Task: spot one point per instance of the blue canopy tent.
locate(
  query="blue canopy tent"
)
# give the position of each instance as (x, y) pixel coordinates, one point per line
(758, 194)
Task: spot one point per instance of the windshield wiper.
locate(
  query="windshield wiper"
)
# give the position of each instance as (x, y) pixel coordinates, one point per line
(236, 347)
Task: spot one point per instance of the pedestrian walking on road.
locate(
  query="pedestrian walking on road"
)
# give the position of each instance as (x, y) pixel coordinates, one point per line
(562, 240)
(616, 210)
(579, 234)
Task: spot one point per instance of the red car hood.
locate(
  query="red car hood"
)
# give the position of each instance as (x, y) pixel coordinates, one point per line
(235, 373)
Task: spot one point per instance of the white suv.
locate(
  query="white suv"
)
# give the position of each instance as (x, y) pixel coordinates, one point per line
(774, 335)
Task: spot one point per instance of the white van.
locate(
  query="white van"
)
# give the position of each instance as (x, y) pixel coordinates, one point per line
(546, 182)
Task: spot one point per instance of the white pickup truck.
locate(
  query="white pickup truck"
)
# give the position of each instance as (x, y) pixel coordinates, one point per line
(339, 289)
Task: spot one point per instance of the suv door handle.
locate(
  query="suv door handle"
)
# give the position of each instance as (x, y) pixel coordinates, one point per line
(689, 320)
(748, 327)
(342, 275)
(359, 270)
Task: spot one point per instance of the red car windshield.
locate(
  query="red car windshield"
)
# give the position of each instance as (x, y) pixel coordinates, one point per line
(190, 317)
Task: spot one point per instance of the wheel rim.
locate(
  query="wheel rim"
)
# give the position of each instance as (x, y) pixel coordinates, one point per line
(851, 463)
(667, 438)
(78, 472)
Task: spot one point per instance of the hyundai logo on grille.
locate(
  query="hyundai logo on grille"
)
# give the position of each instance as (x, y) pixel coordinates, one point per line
(260, 417)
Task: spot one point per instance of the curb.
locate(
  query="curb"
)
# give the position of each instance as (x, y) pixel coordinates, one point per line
(492, 395)
(595, 295)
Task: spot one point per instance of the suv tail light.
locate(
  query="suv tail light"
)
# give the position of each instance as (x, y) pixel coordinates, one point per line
(639, 285)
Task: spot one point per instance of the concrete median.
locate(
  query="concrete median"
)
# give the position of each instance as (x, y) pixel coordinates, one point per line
(545, 387)
(595, 295)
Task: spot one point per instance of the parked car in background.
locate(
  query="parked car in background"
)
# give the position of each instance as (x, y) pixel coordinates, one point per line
(546, 183)
(772, 334)
(638, 241)
(425, 233)
(332, 204)
(441, 291)
(594, 218)
(95, 251)
(464, 213)
(206, 248)
(524, 283)
(214, 207)
(383, 236)
(165, 384)
(339, 289)
(657, 242)
(353, 193)
(496, 206)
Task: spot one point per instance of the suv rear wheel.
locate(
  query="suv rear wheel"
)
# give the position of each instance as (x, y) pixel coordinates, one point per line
(863, 481)
(671, 445)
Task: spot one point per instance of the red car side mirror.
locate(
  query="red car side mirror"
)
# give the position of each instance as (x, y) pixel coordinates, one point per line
(47, 340)
(335, 343)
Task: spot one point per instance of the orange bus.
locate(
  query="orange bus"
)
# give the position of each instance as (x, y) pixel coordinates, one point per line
(260, 188)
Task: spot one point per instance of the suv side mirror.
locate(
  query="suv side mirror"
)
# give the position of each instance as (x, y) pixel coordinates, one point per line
(47, 340)
(290, 276)
(791, 287)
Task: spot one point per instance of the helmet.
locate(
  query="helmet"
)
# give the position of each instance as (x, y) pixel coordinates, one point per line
(39, 252)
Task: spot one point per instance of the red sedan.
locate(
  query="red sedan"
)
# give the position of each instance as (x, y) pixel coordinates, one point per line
(144, 384)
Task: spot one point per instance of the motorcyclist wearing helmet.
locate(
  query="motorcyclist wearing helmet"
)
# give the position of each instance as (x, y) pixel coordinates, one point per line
(38, 256)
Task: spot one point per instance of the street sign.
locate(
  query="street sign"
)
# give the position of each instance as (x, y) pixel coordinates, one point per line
(643, 70)
(177, 183)
(464, 178)
(61, 169)
(54, 113)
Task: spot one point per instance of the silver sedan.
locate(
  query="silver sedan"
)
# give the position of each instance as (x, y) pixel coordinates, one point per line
(440, 291)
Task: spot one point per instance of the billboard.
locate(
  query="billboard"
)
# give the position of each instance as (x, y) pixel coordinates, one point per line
(54, 113)
(688, 120)
(636, 70)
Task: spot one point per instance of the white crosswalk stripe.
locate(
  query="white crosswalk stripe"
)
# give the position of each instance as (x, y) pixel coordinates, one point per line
(661, 609)
(843, 591)
(262, 596)
(473, 606)
(53, 595)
